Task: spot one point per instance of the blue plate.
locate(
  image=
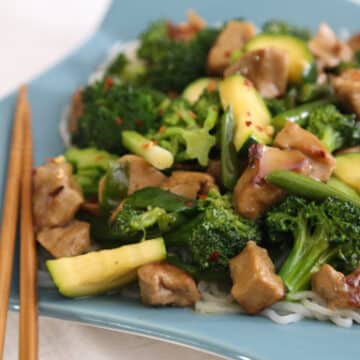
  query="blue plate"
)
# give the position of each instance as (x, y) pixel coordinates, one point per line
(233, 336)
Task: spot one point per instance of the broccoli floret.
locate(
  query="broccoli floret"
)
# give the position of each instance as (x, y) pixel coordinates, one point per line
(333, 128)
(187, 143)
(284, 28)
(287, 102)
(207, 109)
(146, 213)
(172, 64)
(110, 108)
(89, 165)
(128, 71)
(212, 237)
(186, 130)
(325, 232)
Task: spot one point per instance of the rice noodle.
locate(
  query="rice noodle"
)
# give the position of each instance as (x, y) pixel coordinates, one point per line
(304, 304)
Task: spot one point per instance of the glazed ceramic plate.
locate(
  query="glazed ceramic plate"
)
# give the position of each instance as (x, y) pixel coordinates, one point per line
(232, 336)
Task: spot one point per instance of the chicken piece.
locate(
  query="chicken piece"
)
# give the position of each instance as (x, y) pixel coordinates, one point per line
(255, 284)
(354, 42)
(347, 89)
(76, 110)
(338, 290)
(141, 173)
(266, 68)
(186, 31)
(57, 196)
(252, 194)
(233, 37)
(328, 49)
(69, 240)
(189, 183)
(165, 284)
(292, 136)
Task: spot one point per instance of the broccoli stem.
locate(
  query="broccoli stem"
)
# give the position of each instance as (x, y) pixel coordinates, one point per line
(306, 187)
(154, 154)
(306, 257)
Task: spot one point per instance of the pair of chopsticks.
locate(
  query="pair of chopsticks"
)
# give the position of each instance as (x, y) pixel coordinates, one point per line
(19, 191)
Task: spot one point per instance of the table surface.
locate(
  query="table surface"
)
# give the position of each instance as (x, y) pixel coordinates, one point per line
(43, 31)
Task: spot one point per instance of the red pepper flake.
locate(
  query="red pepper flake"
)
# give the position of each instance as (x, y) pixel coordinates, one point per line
(248, 83)
(189, 203)
(248, 123)
(202, 196)
(118, 121)
(212, 86)
(139, 123)
(109, 82)
(214, 257)
(33, 172)
(259, 128)
(56, 191)
(99, 157)
(248, 113)
(147, 145)
(227, 53)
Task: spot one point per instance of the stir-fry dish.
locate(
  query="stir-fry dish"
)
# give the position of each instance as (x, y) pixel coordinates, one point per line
(214, 167)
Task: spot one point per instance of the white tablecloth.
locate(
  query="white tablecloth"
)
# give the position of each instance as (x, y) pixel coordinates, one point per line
(33, 35)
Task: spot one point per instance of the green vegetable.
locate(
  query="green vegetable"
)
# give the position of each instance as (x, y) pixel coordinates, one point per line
(150, 212)
(154, 154)
(89, 165)
(251, 116)
(298, 115)
(194, 90)
(334, 129)
(172, 64)
(347, 169)
(306, 187)
(115, 187)
(230, 167)
(187, 144)
(110, 108)
(340, 185)
(127, 71)
(302, 66)
(178, 113)
(211, 238)
(100, 271)
(277, 106)
(284, 28)
(325, 232)
(207, 109)
(312, 92)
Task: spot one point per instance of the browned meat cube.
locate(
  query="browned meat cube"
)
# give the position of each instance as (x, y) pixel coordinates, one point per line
(328, 49)
(165, 284)
(189, 183)
(266, 68)
(186, 31)
(255, 284)
(233, 37)
(141, 173)
(338, 290)
(292, 136)
(252, 194)
(57, 197)
(347, 89)
(69, 240)
(354, 42)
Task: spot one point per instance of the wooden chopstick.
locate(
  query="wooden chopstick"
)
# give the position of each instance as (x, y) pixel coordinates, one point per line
(10, 213)
(28, 331)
